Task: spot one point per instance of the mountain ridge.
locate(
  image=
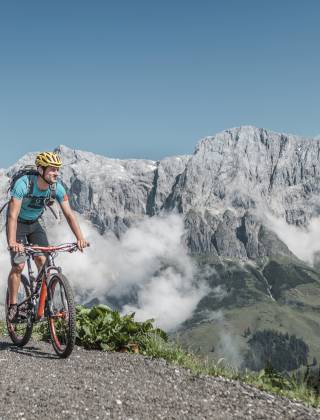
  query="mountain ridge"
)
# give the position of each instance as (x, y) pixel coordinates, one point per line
(224, 188)
(227, 193)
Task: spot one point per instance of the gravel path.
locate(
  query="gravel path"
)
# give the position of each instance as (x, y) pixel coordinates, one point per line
(96, 385)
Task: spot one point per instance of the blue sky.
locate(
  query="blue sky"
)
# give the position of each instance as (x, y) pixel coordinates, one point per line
(148, 79)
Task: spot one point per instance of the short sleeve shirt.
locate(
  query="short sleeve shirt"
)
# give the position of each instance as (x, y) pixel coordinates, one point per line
(32, 207)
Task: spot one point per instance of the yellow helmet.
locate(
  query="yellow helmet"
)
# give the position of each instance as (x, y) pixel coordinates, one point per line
(48, 159)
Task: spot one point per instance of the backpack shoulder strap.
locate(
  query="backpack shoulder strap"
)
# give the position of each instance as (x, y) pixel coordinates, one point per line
(53, 191)
(49, 201)
(30, 186)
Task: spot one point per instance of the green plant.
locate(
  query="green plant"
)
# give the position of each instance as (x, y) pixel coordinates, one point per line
(269, 376)
(102, 328)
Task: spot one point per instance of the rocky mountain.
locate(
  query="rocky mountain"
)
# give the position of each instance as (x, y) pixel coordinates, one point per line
(236, 177)
(111, 193)
(225, 191)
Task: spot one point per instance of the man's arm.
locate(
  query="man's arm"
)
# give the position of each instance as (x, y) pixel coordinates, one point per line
(13, 212)
(74, 226)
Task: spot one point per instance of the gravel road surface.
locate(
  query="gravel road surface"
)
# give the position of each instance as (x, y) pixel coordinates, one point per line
(96, 385)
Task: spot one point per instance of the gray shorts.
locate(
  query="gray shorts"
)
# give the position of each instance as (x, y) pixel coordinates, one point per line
(33, 234)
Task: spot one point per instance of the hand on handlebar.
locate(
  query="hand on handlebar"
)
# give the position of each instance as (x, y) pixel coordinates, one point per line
(82, 243)
(16, 247)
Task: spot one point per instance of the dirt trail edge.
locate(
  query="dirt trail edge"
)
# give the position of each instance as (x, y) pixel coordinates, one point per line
(91, 384)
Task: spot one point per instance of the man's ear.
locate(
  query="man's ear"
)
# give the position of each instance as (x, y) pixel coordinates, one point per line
(40, 170)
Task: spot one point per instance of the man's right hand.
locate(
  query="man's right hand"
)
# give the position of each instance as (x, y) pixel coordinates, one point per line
(16, 247)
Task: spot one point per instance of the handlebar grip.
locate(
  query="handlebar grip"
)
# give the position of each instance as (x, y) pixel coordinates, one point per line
(10, 248)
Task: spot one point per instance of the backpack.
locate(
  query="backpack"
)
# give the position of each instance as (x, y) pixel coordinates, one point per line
(30, 171)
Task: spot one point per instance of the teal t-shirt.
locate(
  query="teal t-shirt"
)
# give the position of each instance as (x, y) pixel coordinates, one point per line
(32, 207)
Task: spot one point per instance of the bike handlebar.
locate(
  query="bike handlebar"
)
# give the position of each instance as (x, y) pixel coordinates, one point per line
(68, 247)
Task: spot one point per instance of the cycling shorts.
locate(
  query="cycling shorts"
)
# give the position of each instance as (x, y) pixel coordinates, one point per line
(32, 234)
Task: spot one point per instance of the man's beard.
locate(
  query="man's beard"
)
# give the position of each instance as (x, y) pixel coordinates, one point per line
(48, 181)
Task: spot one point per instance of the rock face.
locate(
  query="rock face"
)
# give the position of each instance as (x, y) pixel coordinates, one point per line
(112, 193)
(241, 174)
(223, 190)
(248, 167)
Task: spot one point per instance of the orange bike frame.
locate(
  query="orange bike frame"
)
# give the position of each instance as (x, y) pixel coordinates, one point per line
(42, 299)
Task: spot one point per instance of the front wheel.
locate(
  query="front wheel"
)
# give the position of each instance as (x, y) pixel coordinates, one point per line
(20, 330)
(62, 315)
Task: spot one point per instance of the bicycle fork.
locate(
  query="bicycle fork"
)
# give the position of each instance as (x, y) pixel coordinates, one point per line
(39, 308)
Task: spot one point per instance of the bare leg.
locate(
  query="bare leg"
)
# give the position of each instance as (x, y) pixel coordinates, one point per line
(40, 261)
(14, 280)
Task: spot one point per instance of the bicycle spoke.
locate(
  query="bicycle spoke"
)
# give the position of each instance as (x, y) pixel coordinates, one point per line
(62, 316)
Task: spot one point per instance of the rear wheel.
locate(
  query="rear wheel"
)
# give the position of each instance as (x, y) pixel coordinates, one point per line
(62, 315)
(21, 329)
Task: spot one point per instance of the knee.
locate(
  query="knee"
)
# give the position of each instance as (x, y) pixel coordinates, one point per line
(40, 261)
(17, 269)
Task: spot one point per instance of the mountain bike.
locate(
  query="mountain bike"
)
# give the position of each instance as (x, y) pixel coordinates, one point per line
(47, 296)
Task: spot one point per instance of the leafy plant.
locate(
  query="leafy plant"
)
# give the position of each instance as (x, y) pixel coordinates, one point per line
(102, 328)
(270, 376)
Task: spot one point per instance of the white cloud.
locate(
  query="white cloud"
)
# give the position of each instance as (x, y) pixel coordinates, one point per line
(229, 347)
(150, 260)
(303, 242)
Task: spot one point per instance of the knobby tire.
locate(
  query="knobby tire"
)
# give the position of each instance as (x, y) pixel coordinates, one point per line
(62, 317)
(20, 333)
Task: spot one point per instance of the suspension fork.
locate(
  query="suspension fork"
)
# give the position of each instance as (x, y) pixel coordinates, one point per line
(43, 274)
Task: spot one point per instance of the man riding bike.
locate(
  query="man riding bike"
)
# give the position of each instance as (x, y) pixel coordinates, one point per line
(24, 223)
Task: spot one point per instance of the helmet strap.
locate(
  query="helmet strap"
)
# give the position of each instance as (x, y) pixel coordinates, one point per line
(42, 170)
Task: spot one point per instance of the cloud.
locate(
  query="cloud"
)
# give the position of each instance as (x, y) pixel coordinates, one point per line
(148, 269)
(169, 297)
(304, 242)
(229, 347)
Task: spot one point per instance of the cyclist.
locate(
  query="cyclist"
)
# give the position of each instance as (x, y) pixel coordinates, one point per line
(24, 222)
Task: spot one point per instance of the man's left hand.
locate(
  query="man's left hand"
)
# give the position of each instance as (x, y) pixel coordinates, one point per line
(82, 243)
